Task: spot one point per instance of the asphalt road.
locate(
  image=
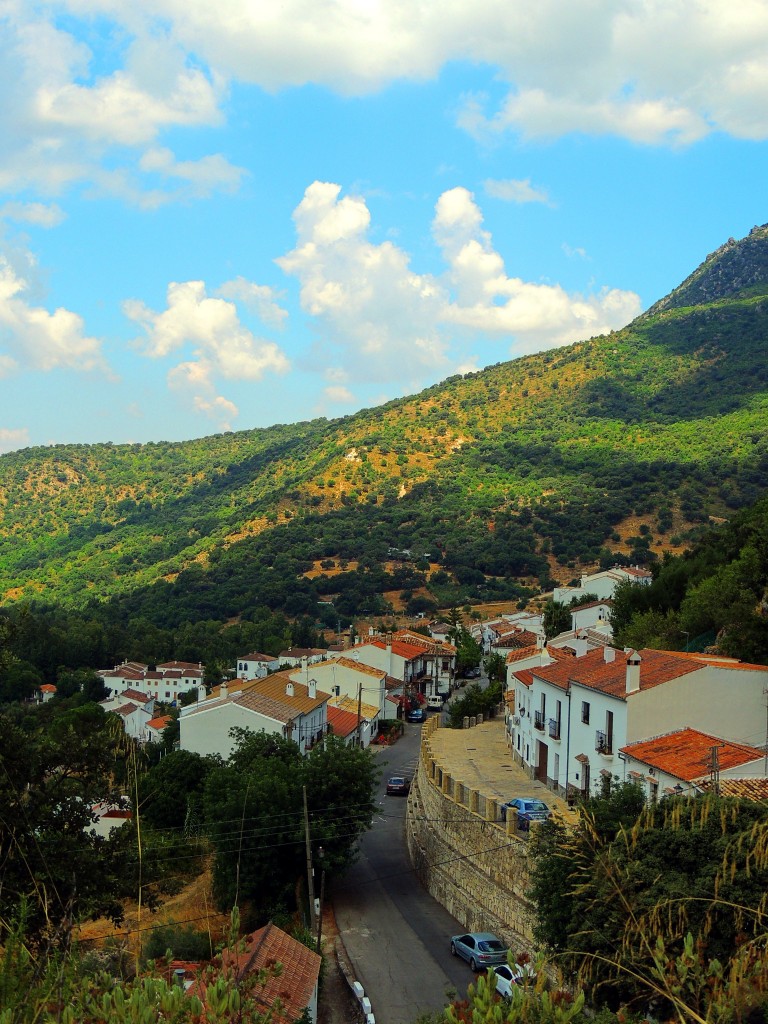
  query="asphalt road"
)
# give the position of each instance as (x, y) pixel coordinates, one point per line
(397, 936)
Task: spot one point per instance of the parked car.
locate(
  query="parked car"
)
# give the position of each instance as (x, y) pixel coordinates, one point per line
(479, 949)
(507, 977)
(528, 810)
(435, 701)
(415, 715)
(398, 785)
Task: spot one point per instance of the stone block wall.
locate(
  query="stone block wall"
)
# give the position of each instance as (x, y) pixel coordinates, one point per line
(471, 863)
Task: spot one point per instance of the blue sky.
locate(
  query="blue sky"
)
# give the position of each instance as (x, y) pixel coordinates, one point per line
(222, 216)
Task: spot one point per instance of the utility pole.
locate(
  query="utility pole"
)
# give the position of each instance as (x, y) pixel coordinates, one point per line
(359, 714)
(320, 906)
(310, 883)
(714, 768)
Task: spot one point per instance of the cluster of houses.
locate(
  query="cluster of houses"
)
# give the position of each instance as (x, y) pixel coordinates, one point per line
(320, 692)
(578, 710)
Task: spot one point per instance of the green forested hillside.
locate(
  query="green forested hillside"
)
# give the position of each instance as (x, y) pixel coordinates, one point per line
(623, 444)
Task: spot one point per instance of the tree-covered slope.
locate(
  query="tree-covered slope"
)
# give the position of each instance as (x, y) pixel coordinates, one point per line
(543, 461)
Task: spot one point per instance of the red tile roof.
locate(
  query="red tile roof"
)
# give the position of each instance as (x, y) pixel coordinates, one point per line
(719, 661)
(343, 723)
(520, 653)
(524, 676)
(159, 723)
(406, 651)
(611, 677)
(746, 789)
(293, 987)
(686, 754)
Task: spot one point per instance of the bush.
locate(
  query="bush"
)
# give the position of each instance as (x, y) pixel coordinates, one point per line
(184, 943)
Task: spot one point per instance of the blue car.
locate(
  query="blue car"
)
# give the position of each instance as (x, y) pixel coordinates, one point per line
(479, 949)
(415, 715)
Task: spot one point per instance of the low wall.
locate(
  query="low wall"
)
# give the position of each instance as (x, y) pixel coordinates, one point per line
(476, 866)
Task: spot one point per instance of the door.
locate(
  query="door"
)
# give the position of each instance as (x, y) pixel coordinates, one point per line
(541, 766)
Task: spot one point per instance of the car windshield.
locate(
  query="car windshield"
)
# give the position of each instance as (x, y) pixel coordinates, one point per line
(396, 780)
(491, 946)
(535, 805)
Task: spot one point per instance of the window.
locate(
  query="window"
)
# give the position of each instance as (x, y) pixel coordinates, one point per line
(585, 712)
(609, 729)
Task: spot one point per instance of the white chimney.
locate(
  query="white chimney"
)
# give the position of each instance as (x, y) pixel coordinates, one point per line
(609, 655)
(289, 689)
(633, 672)
(224, 690)
(312, 689)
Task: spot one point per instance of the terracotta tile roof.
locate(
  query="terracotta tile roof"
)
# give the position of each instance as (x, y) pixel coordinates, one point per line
(255, 656)
(345, 703)
(47, 688)
(719, 661)
(125, 710)
(685, 754)
(515, 638)
(343, 723)
(406, 651)
(293, 987)
(135, 695)
(592, 670)
(160, 723)
(301, 652)
(266, 697)
(633, 570)
(746, 789)
(428, 643)
(358, 666)
(186, 666)
(520, 653)
(524, 676)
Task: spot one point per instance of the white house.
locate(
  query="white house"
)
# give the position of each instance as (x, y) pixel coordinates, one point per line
(594, 615)
(298, 655)
(346, 677)
(689, 761)
(166, 682)
(276, 705)
(602, 584)
(573, 716)
(256, 665)
(420, 663)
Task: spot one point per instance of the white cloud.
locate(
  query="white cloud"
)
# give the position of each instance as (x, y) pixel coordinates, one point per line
(37, 339)
(221, 345)
(11, 439)
(650, 70)
(485, 299)
(42, 215)
(259, 298)
(337, 393)
(200, 176)
(516, 191)
(389, 323)
(365, 298)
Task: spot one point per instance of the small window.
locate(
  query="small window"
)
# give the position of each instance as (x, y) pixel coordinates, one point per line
(585, 712)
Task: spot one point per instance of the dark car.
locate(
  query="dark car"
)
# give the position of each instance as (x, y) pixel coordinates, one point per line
(528, 810)
(398, 785)
(479, 949)
(415, 715)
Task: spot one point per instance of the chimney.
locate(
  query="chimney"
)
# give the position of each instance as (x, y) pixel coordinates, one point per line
(304, 663)
(224, 690)
(312, 689)
(609, 655)
(289, 689)
(633, 672)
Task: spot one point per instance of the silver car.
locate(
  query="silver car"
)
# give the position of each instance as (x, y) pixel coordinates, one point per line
(479, 949)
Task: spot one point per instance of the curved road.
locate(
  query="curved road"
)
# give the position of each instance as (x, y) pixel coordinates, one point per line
(397, 936)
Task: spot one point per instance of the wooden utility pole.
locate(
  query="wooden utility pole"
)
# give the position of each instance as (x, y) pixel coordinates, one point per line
(359, 714)
(310, 882)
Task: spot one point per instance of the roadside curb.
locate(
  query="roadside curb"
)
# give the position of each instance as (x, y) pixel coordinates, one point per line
(344, 963)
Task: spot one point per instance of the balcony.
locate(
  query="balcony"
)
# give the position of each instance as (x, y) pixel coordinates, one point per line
(554, 729)
(603, 742)
(538, 720)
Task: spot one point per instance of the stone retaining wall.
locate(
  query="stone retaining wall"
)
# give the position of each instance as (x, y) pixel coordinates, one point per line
(476, 866)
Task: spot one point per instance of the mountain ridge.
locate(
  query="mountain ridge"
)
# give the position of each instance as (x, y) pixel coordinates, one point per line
(663, 422)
